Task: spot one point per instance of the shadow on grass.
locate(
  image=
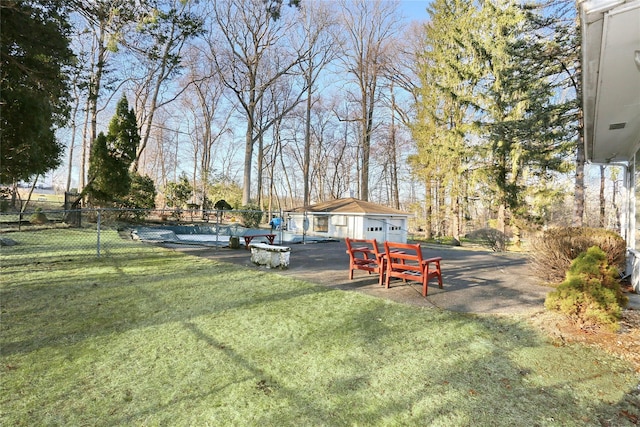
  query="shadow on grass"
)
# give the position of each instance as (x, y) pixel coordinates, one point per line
(373, 382)
(61, 310)
(312, 355)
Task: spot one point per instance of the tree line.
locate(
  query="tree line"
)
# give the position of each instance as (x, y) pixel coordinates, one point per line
(472, 116)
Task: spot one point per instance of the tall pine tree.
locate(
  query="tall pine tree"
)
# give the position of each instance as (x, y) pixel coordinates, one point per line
(557, 23)
(111, 157)
(445, 114)
(489, 123)
(520, 125)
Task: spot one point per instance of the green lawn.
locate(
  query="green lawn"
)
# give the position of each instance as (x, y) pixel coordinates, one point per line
(146, 336)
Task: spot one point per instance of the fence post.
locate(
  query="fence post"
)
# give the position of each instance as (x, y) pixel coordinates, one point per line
(98, 247)
(218, 229)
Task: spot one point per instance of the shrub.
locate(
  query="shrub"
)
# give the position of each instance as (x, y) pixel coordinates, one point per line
(490, 238)
(591, 294)
(553, 251)
(223, 187)
(178, 193)
(141, 197)
(5, 195)
(251, 216)
(38, 217)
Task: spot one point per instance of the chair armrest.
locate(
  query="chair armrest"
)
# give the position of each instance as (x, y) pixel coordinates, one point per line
(430, 260)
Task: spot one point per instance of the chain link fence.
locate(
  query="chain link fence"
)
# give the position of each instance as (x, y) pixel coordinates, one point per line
(104, 232)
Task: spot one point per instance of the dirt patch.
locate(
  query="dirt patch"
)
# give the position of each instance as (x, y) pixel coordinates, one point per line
(624, 343)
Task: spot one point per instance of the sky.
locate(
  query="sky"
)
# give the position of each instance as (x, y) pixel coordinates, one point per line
(415, 9)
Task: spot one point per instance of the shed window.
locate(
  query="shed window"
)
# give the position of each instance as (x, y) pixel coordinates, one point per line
(321, 223)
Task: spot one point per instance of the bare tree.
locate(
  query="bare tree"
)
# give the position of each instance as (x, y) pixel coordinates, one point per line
(104, 21)
(158, 45)
(275, 106)
(331, 159)
(319, 37)
(208, 116)
(162, 159)
(76, 88)
(370, 27)
(401, 72)
(392, 156)
(251, 52)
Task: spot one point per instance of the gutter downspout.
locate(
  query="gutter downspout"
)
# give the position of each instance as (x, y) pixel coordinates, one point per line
(633, 255)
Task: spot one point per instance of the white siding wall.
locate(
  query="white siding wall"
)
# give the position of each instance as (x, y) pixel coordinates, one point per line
(377, 227)
(357, 224)
(339, 226)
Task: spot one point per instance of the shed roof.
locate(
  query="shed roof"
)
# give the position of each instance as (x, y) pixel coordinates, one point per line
(350, 206)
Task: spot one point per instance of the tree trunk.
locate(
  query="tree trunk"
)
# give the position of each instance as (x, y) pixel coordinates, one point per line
(368, 107)
(428, 209)
(260, 167)
(616, 226)
(455, 218)
(393, 156)
(152, 110)
(501, 219)
(93, 95)
(74, 126)
(366, 151)
(307, 144)
(95, 85)
(248, 155)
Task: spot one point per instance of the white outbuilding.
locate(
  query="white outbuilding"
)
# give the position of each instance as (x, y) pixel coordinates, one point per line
(349, 217)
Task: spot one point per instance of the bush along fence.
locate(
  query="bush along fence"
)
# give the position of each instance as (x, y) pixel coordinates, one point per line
(105, 231)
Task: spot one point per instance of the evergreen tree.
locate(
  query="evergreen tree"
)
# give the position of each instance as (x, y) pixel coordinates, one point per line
(34, 57)
(489, 121)
(141, 196)
(445, 113)
(556, 21)
(520, 126)
(111, 156)
(123, 136)
(178, 193)
(504, 100)
(105, 174)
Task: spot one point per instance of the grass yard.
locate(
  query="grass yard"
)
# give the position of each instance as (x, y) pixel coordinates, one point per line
(147, 336)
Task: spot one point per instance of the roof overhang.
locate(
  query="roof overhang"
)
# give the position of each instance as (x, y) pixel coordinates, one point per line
(611, 78)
